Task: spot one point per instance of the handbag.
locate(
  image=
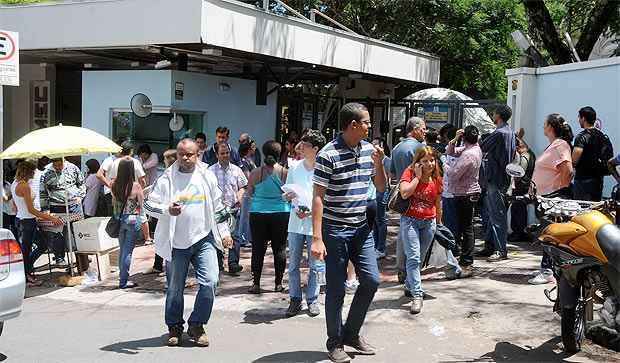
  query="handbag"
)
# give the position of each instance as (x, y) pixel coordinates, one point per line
(396, 202)
(113, 227)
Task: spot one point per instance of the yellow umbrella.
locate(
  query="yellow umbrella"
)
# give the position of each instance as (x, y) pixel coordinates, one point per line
(59, 141)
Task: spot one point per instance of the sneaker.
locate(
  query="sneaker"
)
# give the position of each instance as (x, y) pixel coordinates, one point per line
(453, 274)
(294, 308)
(198, 335)
(60, 262)
(128, 285)
(314, 309)
(496, 257)
(483, 253)
(279, 288)
(235, 269)
(467, 271)
(175, 334)
(338, 355)
(360, 345)
(416, 305)
(254, 289)
(380, 255)
(541, 278)
(351, 287)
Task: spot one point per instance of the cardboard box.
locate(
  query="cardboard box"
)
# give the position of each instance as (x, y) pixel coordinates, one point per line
(90, 235)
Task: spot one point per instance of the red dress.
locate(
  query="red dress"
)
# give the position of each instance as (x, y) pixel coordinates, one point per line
(422, 202)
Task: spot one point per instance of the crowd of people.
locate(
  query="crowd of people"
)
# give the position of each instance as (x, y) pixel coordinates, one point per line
(329, 198)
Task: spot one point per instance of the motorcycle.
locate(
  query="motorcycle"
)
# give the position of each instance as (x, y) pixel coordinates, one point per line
(584, 245)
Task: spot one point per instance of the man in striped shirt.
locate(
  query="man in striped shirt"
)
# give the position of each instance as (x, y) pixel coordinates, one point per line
(343, 172)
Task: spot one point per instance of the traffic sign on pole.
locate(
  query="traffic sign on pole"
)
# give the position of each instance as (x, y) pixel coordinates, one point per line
(9, 76)
(9, 58)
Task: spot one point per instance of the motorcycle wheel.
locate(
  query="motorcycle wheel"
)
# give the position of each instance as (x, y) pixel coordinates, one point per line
(574, 326)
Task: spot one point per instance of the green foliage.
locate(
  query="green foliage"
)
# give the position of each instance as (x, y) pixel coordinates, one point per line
(18, 2)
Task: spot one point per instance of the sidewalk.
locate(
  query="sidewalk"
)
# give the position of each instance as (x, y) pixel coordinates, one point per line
(461, 318)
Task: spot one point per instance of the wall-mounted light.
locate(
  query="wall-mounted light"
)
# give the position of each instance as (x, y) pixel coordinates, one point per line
(224, 87)
(211, 51)
(163, 64)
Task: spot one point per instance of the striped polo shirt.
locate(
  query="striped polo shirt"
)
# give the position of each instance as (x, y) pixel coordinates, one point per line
(346, 173)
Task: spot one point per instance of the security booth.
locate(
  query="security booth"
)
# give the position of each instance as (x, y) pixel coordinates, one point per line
(201, 64)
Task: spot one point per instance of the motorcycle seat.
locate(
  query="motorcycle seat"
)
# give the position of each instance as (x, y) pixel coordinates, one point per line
(608, 237)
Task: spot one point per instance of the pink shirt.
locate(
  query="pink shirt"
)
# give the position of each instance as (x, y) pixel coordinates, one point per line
(547, 174)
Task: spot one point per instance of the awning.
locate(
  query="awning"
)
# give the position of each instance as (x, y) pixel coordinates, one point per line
(213, 36)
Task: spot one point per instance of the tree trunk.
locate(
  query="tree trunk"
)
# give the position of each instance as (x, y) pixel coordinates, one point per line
(541, 24)
(598, 21)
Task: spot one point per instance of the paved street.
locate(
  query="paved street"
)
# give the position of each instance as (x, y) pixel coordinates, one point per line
(495, 316)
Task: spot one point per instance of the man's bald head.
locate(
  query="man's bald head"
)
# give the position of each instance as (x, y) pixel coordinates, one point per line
(187, 155)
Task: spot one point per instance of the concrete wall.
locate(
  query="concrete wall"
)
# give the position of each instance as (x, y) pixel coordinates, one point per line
(18, 101)
(235, 109)
(565, 89)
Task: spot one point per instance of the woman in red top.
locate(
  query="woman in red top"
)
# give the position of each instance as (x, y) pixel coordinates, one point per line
(420, 183)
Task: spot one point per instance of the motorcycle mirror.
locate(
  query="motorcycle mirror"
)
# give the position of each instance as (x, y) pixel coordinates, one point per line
(515, 171)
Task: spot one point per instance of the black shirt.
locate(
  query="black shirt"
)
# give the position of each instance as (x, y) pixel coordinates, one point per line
(590, 140)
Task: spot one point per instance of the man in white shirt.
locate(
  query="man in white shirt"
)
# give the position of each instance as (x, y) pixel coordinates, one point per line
(232, 183)
(191, 227)
(300, 228)
(109, 168)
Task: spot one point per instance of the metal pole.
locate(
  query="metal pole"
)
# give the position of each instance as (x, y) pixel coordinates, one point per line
(70, 235)
(1, 149)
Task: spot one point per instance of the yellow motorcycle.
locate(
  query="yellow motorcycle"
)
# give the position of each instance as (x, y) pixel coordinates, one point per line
(584, 245)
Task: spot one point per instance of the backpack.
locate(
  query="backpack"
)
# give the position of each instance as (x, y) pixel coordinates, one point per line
(606, 152)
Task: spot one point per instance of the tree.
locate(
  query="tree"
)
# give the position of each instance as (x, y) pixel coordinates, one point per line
(584, 20)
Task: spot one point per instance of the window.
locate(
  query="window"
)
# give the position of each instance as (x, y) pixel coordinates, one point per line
(154, 129)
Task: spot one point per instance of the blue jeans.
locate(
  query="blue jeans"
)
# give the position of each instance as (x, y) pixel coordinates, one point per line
(296, 243)
(588, 189)
(344, 244)
(418, 235)
(448, 206)
(203, 256)
(497, 223)
(29, 235)
(245, 235)
(379, 232)
(127, 236)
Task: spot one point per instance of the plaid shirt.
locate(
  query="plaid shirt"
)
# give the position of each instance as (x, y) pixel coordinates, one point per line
(230, 180)
(53, 185)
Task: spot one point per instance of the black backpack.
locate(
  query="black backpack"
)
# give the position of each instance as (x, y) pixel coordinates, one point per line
(606, 152)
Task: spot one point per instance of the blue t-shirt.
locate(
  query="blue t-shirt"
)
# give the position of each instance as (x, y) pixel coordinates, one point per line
(402, 156)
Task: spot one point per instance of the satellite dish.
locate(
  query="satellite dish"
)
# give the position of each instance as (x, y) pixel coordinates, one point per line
(141, 105)
(176, 123)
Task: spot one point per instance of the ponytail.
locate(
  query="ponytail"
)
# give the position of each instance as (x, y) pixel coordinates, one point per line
(560, 127)
(272, 150)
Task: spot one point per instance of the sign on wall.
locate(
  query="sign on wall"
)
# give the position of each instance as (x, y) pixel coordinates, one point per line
(9, 58)
(40, 100)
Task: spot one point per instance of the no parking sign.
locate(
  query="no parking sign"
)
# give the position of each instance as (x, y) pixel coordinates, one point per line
(9, 58)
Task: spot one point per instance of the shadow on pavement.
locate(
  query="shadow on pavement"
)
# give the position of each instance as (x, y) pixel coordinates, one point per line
(134, 347)
(549, 351)
(302, 356)
(263, 316)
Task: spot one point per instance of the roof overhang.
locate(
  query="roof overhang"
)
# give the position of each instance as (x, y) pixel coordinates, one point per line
(238, 37)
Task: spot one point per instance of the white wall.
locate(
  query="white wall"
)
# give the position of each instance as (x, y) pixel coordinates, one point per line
(235, 109)
(565, 89)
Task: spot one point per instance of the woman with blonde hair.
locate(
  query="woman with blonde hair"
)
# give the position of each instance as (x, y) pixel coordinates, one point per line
(23, 197)
(421, 184)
